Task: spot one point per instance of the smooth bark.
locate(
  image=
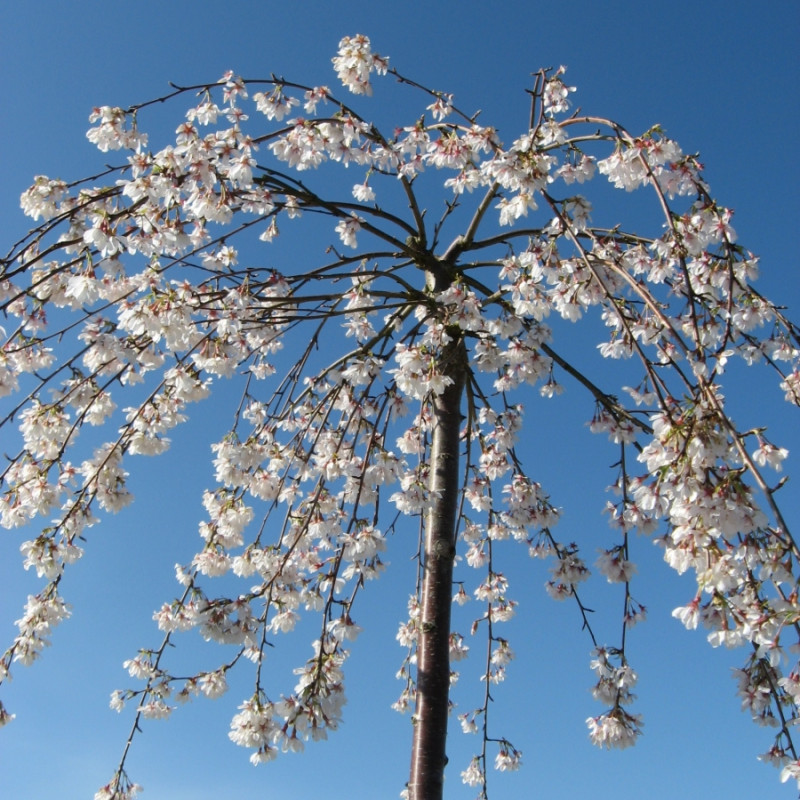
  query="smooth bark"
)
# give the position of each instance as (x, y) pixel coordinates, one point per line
(428, 755)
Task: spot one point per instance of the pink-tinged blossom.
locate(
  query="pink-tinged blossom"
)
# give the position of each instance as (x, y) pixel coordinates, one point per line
(363, 193)
(503, 610)
(355, 61)
(112, 132)
(556, 94)
(156, 709)
(275, 105)
(468, 723)
(791, 385)
(617, 729)
(688, 615)
(767, 453)
(624, 169)
(42, 614)
(473, 774)
(508, 759)
(441, 107)
(791, 770)
(121, 788)
(476, 555)
(43, 198)
(616, 568)
(461, 597)
(458, 650)
(578, 172)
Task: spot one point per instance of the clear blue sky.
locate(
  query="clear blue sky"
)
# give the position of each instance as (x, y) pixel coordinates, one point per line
(722, 78)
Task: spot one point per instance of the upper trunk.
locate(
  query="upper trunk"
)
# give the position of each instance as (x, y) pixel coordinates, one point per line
(428, 757)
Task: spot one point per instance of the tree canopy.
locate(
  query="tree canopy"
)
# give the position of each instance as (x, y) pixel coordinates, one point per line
(383, 362)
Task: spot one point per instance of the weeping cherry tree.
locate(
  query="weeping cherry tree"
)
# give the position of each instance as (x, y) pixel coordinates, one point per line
(413, 319)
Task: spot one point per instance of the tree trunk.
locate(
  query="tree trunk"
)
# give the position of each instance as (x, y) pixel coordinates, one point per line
(428, 756)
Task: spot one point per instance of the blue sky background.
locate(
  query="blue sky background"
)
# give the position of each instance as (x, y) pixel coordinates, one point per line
(722, 78)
